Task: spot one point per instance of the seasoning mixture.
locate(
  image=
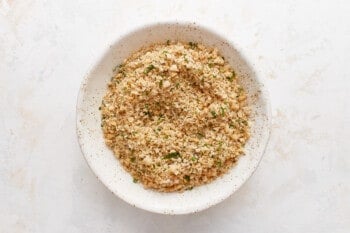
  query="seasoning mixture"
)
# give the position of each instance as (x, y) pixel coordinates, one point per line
(175, 116)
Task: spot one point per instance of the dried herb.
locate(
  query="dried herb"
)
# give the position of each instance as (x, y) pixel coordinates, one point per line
(213, 113)
(149, 68)
(193, 45)
(222, 111)
(231, 77)
(172, 155)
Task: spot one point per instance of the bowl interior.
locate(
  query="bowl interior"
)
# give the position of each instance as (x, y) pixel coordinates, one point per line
(107, 167)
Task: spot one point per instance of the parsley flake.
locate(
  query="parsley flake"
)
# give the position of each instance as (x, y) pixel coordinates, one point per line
(232, 77)
(213, 113)
(172, 155)
(149, 68)
(193, 45)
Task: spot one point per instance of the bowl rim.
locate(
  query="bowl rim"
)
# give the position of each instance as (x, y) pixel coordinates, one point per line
(262, 88)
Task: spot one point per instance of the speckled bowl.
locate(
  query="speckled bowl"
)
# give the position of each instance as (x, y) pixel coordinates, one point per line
(106, 166)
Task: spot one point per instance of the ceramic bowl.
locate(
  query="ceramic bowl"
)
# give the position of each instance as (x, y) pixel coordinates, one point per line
(108, 169)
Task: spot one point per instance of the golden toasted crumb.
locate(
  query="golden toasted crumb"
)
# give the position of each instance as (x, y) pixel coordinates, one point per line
(175, 116)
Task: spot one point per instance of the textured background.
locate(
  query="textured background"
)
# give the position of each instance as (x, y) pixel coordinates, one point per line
(303, 181)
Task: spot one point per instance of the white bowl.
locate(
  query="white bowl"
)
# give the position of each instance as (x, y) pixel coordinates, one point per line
(108, 169)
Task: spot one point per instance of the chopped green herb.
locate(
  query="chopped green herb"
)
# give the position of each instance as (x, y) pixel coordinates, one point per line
(220, 146)
(177, 85)
(149, 68)
(232, 77)
(168, 42)
(135, 180)
(147, 112)
(213, 113)
(161, 83)
(240, 90)
(200, 135)
(132, 159)
(115, 68)
(194, 158)
(193, 45)
(172, 155)
(210, 65)
(185, 58)
(222, 111)
(190, 188)
(164, 52)
(187, 178)
(241, 121)
(219, 163)
(160, 119)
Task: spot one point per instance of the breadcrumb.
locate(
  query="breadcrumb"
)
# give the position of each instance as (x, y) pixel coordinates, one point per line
(175, 116)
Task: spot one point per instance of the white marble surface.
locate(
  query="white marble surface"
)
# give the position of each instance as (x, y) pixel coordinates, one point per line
(302, 183)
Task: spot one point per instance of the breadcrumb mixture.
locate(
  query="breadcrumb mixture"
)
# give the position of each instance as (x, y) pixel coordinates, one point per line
(175, 116)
